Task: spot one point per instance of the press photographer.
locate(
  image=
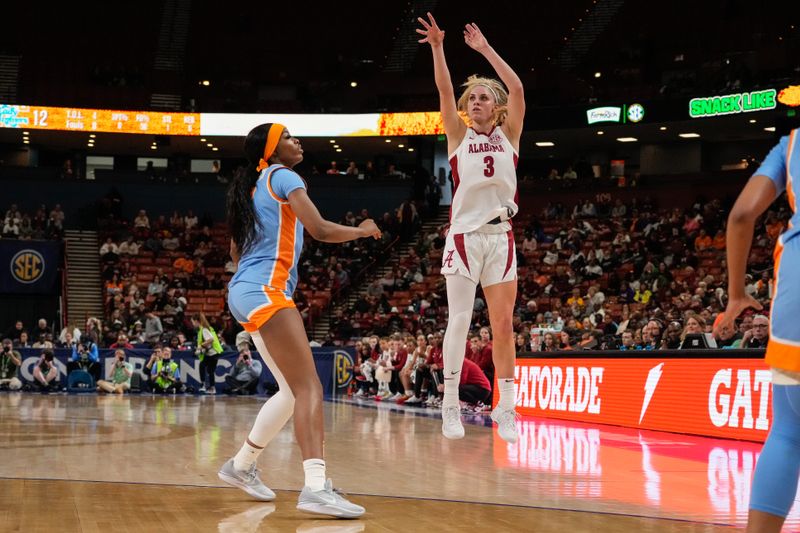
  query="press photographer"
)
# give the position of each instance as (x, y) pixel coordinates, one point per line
(10, 361)
(45, 372)
(121, 374)
(85, 356)
(166, 377)
(244, 376)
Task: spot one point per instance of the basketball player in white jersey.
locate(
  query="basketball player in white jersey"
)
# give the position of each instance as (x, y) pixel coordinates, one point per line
(480, 244)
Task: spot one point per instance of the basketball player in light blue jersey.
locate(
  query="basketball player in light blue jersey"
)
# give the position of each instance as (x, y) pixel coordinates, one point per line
(776, 476)
(268, 207)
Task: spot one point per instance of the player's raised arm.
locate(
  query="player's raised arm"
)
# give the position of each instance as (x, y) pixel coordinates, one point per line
(454, 126)
(516, 94)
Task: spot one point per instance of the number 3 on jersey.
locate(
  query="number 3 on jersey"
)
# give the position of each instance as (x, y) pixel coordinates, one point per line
(488, 170)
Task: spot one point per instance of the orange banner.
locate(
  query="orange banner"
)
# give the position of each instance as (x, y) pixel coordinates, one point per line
(729, 398)
(99, 120)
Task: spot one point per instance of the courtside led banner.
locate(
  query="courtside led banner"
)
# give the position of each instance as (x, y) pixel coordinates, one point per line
(217, 124)
(729, 398)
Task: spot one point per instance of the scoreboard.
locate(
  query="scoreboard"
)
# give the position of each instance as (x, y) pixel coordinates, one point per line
(33, 117)
(99, 120)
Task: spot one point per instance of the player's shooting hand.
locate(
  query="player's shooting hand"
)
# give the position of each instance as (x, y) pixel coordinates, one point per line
(475, 38)
(433, 35)
(370, 229)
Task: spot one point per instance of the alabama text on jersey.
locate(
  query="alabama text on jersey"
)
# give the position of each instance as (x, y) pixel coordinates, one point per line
(484, 180)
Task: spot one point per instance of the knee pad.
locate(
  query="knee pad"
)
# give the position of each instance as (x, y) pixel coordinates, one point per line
(287, 398)
(461, 319)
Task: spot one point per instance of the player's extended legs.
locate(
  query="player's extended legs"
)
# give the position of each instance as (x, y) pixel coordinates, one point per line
(460, 303)
(500, 299)
(296, 364)
(294, 360)
(241, 471)
(776, 475)
(278, 409)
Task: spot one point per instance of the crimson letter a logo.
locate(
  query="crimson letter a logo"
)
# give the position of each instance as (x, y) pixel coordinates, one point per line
(448, 261)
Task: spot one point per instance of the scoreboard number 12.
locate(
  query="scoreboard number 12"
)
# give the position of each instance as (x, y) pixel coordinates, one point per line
(40, 117)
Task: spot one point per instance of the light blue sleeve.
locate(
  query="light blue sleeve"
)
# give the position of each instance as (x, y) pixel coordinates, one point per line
(255, 368)
(94, 354)
(774, 165)
(283, 181)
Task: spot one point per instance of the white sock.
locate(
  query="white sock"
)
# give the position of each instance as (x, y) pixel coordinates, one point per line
(451, 391)
(247, 455)
(506, 388)
(315, 473)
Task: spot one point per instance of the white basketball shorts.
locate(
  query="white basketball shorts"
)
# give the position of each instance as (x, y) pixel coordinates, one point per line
(486, 256)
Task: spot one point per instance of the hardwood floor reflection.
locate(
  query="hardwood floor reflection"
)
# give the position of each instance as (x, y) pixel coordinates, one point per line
(46, 505)
(143, 463)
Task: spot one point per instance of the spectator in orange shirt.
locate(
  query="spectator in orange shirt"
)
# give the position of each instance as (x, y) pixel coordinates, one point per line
(542, 280)
(185, 264)
(719, 241)
(702, 241)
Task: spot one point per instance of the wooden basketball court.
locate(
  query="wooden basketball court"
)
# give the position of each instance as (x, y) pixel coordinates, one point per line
(148, 463)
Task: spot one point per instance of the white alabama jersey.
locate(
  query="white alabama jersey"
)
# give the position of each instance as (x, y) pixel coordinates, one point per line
(484, 180)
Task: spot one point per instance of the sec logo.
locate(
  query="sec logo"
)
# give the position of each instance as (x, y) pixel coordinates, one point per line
(344, 369)
(27, 266)
(636, 113)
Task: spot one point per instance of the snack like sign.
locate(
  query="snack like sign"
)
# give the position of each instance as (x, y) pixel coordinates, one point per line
(733, 103)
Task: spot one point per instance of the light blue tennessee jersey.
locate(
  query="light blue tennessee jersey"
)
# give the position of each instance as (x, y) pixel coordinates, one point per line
(781, 165)
(272, 258)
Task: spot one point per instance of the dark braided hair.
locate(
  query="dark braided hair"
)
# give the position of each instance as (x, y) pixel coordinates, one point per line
(242, 221)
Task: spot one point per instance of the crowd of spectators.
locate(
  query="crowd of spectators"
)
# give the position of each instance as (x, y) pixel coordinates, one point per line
(156, 273)
(163, 277)
(43, 224)
(151, 269)
(598, 275)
